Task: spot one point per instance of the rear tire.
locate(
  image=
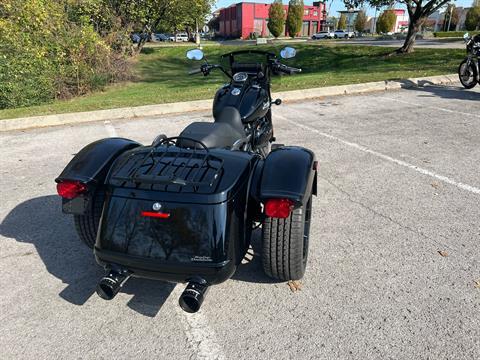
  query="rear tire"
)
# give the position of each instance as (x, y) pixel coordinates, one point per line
(467, 74)
(285, 244)
(87, 225)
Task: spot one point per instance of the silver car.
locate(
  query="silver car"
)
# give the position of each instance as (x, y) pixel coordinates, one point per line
(322, 35)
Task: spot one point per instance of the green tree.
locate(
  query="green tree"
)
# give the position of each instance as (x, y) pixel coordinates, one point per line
(361, 21)
(146, 16)
(332, 22)
(342, 22)
(186, 14)
(386, 21)
(418, 11)
(295, 17)
(276, 18)
(472, 20)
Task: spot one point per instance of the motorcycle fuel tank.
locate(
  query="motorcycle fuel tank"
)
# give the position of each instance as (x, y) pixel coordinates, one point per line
(252, 101)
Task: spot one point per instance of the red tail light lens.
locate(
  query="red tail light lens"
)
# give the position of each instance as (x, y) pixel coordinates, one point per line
(278, 208)
(71, 189)
(157, 215)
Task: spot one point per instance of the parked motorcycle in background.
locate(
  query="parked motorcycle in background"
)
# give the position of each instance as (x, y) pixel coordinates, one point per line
(468, 69)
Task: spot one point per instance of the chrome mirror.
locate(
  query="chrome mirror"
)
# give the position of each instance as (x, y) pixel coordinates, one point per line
(195, 54)
(288, 52)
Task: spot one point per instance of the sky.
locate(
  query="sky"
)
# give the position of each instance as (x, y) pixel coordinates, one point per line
(336, 5)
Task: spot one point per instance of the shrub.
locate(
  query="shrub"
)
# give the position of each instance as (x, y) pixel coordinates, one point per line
(472, 20)
(452, 34)
(342, 22)
(276, 17)
(295, 17)
(360, 21)
(386, 21)
(44, 55)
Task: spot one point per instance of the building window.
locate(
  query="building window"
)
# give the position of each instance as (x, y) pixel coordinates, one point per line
(305, 12)
(315, 13)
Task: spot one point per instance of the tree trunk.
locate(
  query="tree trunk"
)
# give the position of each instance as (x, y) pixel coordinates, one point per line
(413, 28)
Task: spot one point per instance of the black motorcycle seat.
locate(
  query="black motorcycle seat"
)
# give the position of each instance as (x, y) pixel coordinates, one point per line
(230, 115)
(212, 135)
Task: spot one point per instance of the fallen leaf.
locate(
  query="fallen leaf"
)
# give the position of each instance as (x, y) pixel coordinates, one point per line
(443, 253)
(477, 283)
(294, 285)
(435, 185)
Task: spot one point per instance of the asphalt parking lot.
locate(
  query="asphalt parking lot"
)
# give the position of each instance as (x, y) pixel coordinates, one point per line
(393, 262)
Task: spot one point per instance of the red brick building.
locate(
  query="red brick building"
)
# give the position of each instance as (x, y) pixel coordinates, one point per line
(242, 19)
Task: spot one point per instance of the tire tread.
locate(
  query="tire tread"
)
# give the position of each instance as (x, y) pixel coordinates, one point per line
(282, 256)
(87, 225)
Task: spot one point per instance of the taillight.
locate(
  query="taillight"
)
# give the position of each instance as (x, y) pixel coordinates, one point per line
(71, 189)
(278, 208)
(158, 215)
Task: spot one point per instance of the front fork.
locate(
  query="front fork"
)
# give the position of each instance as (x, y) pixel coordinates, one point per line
(472, 60)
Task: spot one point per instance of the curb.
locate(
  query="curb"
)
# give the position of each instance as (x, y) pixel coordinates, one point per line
(201, 105)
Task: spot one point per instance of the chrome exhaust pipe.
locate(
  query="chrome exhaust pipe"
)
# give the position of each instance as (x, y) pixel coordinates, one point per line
(109, 286)
(192, 297)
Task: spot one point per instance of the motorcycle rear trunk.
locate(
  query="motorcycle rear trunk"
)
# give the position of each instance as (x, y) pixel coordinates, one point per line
(175, 214)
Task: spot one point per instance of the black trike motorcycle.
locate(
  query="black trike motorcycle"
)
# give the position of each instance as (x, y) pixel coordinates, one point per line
(183, 208)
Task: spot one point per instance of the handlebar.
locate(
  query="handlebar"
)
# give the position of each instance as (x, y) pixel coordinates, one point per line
(276, 66)
(196, 71)
(206, 68)
(286, 69)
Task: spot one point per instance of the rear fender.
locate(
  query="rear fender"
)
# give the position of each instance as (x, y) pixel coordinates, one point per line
(90, 166)
(288, 173)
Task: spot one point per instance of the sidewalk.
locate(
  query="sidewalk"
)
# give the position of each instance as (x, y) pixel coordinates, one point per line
(201, 105)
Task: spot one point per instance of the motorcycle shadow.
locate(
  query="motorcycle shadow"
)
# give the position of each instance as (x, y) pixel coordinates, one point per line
(251, 268)
(40, 222)
(429, 89)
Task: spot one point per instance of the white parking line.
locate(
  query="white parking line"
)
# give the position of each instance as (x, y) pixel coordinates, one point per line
(422, 106)
(200, 336)
(423, 171)
(110, 129)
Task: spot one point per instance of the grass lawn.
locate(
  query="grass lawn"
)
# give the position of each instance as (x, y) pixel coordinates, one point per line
(162, 74)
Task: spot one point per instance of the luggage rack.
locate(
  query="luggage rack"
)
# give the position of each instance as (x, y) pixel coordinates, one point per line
(171, 166)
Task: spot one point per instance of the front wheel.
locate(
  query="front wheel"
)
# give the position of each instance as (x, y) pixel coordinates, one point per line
(467, 73)
(87, 224)
(285, 244)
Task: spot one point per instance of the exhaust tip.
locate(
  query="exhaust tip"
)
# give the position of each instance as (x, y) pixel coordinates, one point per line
(109, 286)
(106, 290)
(192, 297)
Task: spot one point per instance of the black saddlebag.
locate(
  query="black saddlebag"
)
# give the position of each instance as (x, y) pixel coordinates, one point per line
(174, 214)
